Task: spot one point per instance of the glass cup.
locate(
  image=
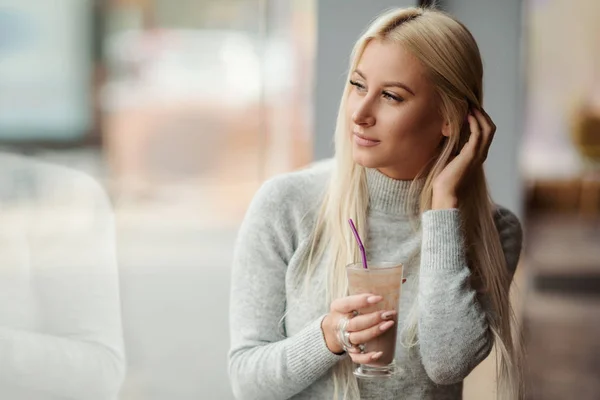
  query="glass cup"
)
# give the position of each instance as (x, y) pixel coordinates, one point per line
(384, 279)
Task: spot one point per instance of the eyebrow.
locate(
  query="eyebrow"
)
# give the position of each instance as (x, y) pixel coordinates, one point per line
(398, 84)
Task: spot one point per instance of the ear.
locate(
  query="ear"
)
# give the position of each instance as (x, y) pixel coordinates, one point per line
(446, 129)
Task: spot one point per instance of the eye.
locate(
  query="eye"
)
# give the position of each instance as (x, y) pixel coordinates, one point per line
(358, 86)
(393, 97)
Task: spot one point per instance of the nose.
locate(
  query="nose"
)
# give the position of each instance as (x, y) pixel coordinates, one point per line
(363, 115)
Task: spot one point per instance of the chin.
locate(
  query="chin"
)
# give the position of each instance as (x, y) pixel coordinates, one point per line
(366, 158)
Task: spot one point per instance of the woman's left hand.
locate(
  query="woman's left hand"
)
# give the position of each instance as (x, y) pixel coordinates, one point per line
(447, 184)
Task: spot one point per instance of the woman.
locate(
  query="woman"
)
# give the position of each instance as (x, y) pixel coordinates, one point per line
(411, 138)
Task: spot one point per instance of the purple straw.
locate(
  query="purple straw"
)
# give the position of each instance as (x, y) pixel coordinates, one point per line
(360, 244)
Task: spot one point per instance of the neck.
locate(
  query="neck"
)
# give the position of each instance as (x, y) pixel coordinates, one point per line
(399, 175)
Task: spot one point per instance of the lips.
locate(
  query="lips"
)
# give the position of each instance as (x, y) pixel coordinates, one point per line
(365, 141)
(366, 137)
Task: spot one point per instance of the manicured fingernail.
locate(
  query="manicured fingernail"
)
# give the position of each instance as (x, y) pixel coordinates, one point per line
(374, 299)
(388, 314)
(403, 280)
(376, 355)
(386, 325)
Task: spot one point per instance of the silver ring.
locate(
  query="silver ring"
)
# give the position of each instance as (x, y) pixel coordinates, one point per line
(344, 335)
(347, 341)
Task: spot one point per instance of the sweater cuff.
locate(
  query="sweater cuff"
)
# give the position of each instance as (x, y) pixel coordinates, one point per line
(309, 357)
(443, 246)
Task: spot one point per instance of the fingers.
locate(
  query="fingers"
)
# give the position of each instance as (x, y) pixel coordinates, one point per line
(459, 165)
(366, 335)
(359, 358)
(346, 305)
(472, 144)
(361, 322)
(487, 132)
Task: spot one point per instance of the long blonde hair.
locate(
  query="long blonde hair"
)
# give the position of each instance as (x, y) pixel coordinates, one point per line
(450, 55)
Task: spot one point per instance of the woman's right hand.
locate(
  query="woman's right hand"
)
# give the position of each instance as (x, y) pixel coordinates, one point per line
(362, 328)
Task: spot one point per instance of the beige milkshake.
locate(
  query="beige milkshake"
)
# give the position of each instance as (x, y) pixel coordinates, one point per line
(384, 279)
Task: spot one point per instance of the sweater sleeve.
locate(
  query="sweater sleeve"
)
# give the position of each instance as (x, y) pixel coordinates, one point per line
(76, 351)
(263, 362)
(454, 335)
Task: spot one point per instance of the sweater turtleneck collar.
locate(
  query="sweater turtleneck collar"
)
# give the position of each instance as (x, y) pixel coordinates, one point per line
(393, 196)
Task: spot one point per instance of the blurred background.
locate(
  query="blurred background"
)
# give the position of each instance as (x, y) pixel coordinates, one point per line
(180, 109)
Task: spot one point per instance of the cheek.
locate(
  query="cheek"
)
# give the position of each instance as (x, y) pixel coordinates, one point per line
(411, 123)
(399, 123)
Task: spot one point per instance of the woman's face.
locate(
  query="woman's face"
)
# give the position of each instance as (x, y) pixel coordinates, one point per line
(393, 112)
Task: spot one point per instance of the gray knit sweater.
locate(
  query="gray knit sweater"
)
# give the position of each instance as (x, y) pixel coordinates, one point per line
(277, 357)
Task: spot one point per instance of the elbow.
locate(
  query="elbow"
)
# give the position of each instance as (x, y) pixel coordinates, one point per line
(236, 381)
(244, 381)
(236, 387)
(442, 375)
(454, 367)
(238, 391)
